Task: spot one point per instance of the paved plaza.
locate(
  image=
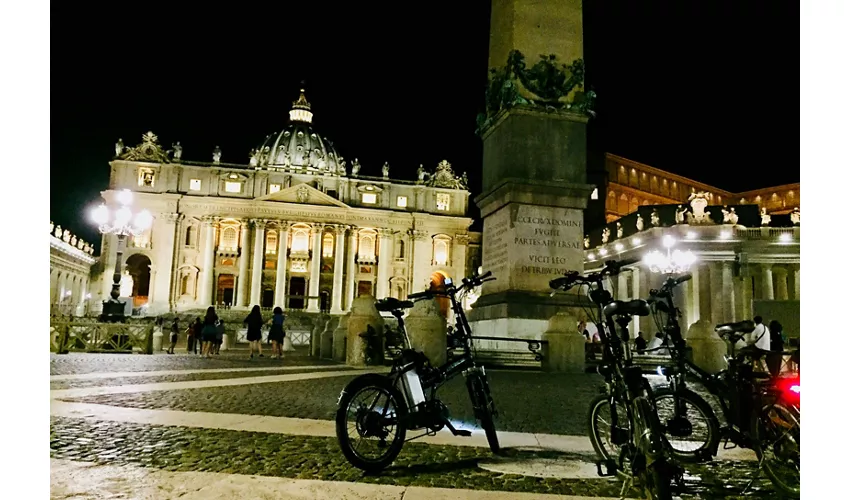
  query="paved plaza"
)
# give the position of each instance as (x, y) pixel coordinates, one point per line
(180, 426)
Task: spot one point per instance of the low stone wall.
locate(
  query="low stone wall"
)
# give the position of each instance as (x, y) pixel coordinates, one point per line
(100, 337)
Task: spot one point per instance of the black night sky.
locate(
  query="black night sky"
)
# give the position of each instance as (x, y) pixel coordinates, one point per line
(706, 89)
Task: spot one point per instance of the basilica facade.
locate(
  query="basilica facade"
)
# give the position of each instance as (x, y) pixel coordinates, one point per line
(295, 226)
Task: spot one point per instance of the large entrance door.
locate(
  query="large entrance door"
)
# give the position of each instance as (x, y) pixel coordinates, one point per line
(438, 282)
(224, 289)
(268, 298)
(364, 288)
(297, 289)
(139, 267)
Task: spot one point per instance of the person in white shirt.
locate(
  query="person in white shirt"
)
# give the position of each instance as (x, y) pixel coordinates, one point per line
(759, 337)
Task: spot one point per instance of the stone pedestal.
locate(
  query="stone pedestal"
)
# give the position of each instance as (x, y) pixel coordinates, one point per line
(340, 338)
(225, 341)
(316, 334)
(565, 349)
(364, 318)
(707, 348)
(427, 330)
(157, 339)
(326, 340)
(534, 188)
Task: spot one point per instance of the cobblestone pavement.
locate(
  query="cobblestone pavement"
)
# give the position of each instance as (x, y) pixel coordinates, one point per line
(527, 401)
(111, 381)
(304, 457)
(62, 364)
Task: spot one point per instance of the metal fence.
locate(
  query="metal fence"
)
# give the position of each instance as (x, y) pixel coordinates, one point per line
(68, 336)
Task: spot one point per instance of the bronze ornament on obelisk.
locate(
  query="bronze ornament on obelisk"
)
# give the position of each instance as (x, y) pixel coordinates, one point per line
(535, 168)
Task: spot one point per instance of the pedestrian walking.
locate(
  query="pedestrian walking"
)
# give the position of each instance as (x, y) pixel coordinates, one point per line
(208, 332)
(276, 332)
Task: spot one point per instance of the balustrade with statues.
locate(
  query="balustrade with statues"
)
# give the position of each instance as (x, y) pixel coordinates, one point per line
(71, 261)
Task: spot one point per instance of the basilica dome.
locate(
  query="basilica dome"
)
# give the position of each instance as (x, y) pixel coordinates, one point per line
(299, 148)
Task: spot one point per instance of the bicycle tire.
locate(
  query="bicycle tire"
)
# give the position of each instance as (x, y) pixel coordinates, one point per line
(483, 402)
(709, 447)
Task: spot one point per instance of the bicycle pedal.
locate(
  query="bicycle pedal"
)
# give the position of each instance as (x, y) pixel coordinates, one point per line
(462, 432)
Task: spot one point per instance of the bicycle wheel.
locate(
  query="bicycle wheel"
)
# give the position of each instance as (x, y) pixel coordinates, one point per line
(608, 441)
(370, 411)
(777, 446)
(484, 408)
(695, 435)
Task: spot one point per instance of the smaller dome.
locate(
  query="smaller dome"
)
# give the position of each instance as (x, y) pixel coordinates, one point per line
(298, 147)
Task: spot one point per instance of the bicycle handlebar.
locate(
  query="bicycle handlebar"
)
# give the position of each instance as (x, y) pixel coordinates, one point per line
(572, 278)
(466, 283)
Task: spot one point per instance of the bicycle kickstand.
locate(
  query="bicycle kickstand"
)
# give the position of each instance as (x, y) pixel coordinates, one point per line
(627, 484)
(758, 473)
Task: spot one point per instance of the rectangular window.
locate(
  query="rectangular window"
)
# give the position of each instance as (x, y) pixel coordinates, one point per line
(443, 201)
(274, 188)
(195, 185)
(369, 198)
(146, 177)
(233, 187)
(401, 201)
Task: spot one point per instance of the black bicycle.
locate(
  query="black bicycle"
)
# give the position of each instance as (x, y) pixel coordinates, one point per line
(633, 429)
(762, 412)
(376, 411)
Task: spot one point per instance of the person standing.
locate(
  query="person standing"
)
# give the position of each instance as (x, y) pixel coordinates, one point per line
(194, 332)
(209, 331)
(175, 329)
(254, 321)
(276, 332)
(777, 347)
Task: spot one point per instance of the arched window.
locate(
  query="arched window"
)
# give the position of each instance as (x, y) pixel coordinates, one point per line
(190, 236)
(271, 242)
(328, 245)
(300, 240)
(229, 238)
(399, 247)
(366, 247)
(441, 250)
(184, 285)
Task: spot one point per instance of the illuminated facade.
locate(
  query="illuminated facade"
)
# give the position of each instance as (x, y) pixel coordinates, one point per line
(296, 226)
(632, 184)
(71, 261)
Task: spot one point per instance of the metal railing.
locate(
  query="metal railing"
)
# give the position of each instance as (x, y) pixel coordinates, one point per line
(101, 337)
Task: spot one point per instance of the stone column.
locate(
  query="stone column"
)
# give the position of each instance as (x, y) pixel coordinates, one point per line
(280, 275)
(564, 350)
(796, 287)
(257, 264)
(427, 330)
(350, 268)
(704, 294)
(640, 289)
(747, 298)
(781, 275)
(459, 246)
(715, 278)
(164, 260)
(421, 255)
(207, 275)
(315, 268)
(766, 282)
(727, 292)
(385, 257)
(339, 259)
(739, 306)
(242, 283)
(81, 300)
(364, 319)
(693, 298)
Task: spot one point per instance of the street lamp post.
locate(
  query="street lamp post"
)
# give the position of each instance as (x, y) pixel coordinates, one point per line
(674, 262)
(122, 223)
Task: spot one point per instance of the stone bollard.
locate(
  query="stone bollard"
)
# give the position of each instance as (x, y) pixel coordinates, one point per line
(707, 348)
(427, 330)
(565, 349)
(316, 334)
(340, 338)
(326, 341)
(157, 339)
(364, 319)
(225, 344)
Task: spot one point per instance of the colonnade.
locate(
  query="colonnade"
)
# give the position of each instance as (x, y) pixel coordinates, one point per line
(717, 291)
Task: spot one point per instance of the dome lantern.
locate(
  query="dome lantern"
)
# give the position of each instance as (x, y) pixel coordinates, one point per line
(300, 111)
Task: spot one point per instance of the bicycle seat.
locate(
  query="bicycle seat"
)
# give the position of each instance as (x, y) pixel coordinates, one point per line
(392, 304)
(745, 326)
(636, 307)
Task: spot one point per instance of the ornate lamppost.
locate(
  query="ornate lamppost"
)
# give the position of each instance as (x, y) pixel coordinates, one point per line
(674, 262)
(121, 222)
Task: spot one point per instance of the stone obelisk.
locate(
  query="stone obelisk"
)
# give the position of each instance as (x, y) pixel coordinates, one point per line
(534, 173)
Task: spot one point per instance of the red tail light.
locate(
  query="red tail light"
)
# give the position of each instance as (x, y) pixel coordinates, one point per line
(790, 388)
